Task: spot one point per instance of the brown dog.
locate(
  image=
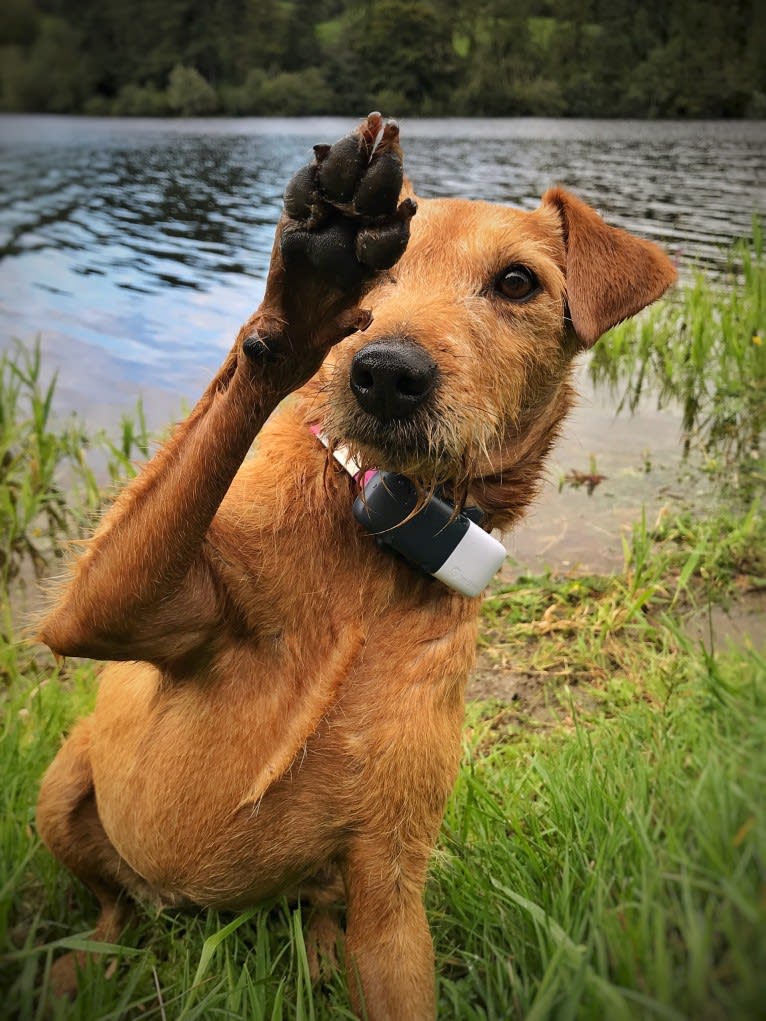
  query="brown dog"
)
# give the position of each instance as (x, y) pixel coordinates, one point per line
(289, 699)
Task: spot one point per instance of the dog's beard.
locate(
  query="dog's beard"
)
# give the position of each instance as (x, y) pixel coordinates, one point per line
(416, 447)
(447, 442)
(419, 446)
(432, 447)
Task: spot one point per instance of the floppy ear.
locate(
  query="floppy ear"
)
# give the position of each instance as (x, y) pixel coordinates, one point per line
(610, 274)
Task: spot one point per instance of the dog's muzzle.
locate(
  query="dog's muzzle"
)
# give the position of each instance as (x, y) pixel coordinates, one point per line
(391, 378)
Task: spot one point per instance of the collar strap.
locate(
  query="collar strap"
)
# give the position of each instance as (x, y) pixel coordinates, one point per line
(448, 545)
(344, 458)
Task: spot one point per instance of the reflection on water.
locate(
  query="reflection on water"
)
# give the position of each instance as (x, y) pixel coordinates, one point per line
(135, 248)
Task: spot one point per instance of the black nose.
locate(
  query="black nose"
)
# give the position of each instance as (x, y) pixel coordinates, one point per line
(392, 378)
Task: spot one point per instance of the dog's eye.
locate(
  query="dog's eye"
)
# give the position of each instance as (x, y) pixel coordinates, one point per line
(518, 283)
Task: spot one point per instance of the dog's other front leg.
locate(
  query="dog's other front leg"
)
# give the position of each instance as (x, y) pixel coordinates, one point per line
(389, 951)
(148, 586)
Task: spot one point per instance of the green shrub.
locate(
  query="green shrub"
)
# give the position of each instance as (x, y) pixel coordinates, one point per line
(295, 94)
(98, 106)
(141, 101)
(50, 76)
(281, 94)
(189, 94)
(246, 98)
(48, 490)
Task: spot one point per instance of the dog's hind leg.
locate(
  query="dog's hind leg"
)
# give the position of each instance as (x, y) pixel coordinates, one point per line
(68, 823)
(324, 897)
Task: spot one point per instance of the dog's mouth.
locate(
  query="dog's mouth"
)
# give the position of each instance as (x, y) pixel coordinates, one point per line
(432, 447)
(413, 446)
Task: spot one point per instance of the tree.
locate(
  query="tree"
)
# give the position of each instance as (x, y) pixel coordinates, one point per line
(478, 57)
(188, 92)
(51, 75)
(400, 50)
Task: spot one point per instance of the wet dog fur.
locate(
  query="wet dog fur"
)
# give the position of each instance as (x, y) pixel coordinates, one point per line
(284, 708)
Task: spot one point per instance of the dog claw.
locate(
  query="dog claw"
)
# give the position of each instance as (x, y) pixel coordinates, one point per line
(371, 129)
(257, 350)
(390, 132)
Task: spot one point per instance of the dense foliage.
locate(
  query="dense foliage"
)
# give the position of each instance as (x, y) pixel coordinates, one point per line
(677, 58)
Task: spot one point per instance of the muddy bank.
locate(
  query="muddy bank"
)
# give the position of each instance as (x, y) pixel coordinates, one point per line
(532, 696)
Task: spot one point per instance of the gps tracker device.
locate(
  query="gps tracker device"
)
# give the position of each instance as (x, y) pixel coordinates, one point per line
(447, 545)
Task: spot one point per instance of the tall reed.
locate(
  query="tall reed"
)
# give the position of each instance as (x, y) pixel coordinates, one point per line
(705, 351)
(49, 487)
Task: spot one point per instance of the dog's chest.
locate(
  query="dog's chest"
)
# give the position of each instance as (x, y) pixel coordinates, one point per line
(400, 718)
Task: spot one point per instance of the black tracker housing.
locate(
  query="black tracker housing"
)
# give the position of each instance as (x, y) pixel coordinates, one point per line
(429, 537)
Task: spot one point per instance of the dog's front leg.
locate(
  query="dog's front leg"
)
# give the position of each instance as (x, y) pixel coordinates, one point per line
(147, 586)
(389, 951)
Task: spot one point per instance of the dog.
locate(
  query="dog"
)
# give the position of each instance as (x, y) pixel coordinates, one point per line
(283, 710)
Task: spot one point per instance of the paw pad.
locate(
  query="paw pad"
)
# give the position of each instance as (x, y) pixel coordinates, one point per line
(345, 222)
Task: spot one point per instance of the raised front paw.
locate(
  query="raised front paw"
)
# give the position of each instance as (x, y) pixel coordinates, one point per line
(344, 222)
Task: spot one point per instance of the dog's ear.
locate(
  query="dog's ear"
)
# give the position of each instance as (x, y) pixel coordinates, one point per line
(610, 274)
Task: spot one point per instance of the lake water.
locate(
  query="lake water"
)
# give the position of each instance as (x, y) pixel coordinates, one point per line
(135, 248)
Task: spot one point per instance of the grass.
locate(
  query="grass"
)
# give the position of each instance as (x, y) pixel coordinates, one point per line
(606, 859)
(605, 631)
(705, 351)
(614, 867)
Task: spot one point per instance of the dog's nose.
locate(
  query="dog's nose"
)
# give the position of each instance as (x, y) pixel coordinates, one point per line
(391, 378)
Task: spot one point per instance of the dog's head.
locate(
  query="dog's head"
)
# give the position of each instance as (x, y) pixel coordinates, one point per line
(462, 377)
